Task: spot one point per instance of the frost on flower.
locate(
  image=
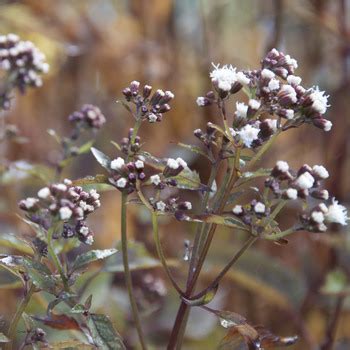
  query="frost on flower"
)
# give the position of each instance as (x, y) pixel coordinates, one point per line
(248, 134)
(223, 77)
(337, 213)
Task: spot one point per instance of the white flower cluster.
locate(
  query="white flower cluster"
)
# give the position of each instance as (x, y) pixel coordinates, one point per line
(23, 59)
(225, 77)
(65, 202)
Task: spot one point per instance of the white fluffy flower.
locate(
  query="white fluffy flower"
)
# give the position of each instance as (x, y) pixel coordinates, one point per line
(121, 183)
(139, 164)
(291, 193)
(291, 61)
(155, 179)
(89, 240)
(172, 163)
(117, 164)
(30, 202)
(242, 78)
(293, 80)
(181, 162)
(289, 114)
(320, 171)
(254, 104)
(152, 118)
(65, 213)
(289, 92)
(337, 213)
(223, 77)
(267, 73)
(274, 84)
(328, 125)
(319, 100)
(44, 193)
(282, 166)
(241, 110)
(259, 208)
(161, 206)
(237, 210)
(248, 134)
(305, 181)
(201, 101)
(317, 216)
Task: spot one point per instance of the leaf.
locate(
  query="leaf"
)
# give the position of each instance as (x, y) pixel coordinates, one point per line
(139, 259)
(91, 256)
(194, 149)
(68, 344)
(205, 299)
(78, 309)
(3, 338)
(103, 159)
(12, 263)
(335, 284)
(116, 145)
(12, 241)
(59, 321)
(44, 282)
(213, 219)
(36, 265)
(248, 175)
(86, 147)
(64, 296)
(103, 333)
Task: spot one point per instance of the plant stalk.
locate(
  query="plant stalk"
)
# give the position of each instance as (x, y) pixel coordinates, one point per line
(128, 278)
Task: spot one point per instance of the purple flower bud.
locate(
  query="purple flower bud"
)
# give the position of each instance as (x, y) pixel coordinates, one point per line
(147, 89)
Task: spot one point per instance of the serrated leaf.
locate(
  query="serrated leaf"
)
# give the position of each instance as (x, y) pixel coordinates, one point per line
(104, 334)
(103, 159)
(91, 256)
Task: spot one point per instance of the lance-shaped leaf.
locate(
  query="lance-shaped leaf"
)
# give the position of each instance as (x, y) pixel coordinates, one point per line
(12, 241)
(103, 159)
(64, 296)
(59, 322)
(213, 219)
(103, 333)
(69, 344)
(250, 175)
(194, 149)
(91, 256)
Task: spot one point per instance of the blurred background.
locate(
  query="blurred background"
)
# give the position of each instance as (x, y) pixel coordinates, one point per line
(95, 48)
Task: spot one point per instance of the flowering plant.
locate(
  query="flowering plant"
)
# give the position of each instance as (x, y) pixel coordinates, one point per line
(276, 102)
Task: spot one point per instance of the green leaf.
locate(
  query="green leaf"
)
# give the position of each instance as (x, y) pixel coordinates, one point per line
(103, 333)
(41, 281)
(205, 299)
(71, 345)
(139, 259)
(214, 219)
(103, 159)
(12, 241)
(3, 338)
(194, 149)
(91, 256)
(189, 180)
(336, 283)
(91, 180)
(36, 265)
(78, 309)
(248, 175)
(86, 147)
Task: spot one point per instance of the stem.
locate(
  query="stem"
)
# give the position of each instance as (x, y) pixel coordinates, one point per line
(332, 327)
(176, 337)
(55, 259)
(161, 253)
(128, 279)
(279, 235)
(22, 306)
(223, 272)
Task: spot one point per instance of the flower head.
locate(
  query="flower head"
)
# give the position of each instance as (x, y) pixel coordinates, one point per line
(337, 213)
(223, 77)
(248, 134)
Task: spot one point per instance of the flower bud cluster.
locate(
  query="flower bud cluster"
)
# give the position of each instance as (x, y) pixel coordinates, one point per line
(288, 184)
(124, 175)
(207, 137)
(63, 202)
(170, 206)
(150, 106)
(24, 64)
(88, 117)
(251, 213)
(127, 145)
